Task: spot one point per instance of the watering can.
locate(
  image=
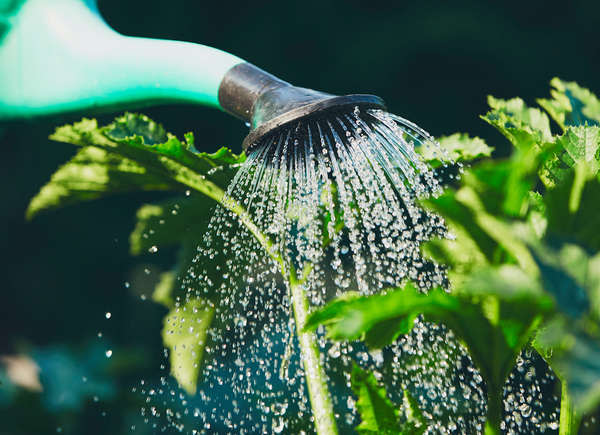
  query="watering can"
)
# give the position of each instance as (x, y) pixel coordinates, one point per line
(59, 56)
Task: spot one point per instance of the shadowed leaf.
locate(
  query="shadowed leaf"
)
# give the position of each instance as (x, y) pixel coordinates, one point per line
(564, 274)
(571, 104)
(574, 219)
(522, 126)
(169, 223)
(575, 357)
(185, 335)
(378, 414)
(415, 423)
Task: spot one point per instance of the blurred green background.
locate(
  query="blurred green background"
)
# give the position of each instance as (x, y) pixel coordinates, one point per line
(433, 62)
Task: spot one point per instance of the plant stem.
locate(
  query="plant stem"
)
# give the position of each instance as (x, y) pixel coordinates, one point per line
(494, 412)
(568, 419)
(316, 379)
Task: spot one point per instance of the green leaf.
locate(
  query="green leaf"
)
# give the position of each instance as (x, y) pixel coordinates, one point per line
(387, 331)
(575, 356)
(481, 213)
(536, 217)
(572, 211)
(131, 154)
(163, 291)
(174, 222)
(169, 223)
(581, 145)
(571, 104)
(522, 126)
(181, 221)
(504, 186)
(577, 148)
(185, 335)
(498, 229)
(564, 274)
(458, 147)
(468, 247)
(525, 116)
(494, 314)
(579, 365)
(143, 130)
(138, 131)
(593, 285)
(93, 173)
(350, 316)
(512, 304)
(378, 414)
(508, 282)
(415, 423)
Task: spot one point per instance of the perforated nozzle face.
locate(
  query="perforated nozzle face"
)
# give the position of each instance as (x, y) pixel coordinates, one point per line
(319, 107)
(270, 104)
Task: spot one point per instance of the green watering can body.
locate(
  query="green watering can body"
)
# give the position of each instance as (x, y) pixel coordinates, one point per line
(60, 56)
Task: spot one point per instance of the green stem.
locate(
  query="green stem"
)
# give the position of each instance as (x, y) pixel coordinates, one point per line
(494, 413)
(316, 379)
(569, 423)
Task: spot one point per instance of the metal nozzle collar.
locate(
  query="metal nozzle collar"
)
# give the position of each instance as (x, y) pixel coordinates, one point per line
(269, 103)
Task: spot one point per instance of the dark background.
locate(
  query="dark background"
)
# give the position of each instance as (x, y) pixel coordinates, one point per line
(433, 62)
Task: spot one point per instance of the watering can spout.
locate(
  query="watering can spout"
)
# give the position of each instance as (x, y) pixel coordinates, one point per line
(60, 56)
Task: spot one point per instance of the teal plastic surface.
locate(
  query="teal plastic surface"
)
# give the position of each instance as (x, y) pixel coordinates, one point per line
(60, 56)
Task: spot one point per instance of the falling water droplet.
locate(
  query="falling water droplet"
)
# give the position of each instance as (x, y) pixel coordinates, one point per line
(278, 425)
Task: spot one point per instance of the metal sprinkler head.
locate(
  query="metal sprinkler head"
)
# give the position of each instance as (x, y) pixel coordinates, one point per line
(270, 104)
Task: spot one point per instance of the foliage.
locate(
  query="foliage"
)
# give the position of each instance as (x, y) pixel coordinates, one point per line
(522, 251)
(571, 104)
(133, 153)
(378, 413)
(376, 410)
(493, 330)
(458, 147)
(186, 343)
(522, 255)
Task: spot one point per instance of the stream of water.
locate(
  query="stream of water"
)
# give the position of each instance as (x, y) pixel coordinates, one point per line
(337, 198)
